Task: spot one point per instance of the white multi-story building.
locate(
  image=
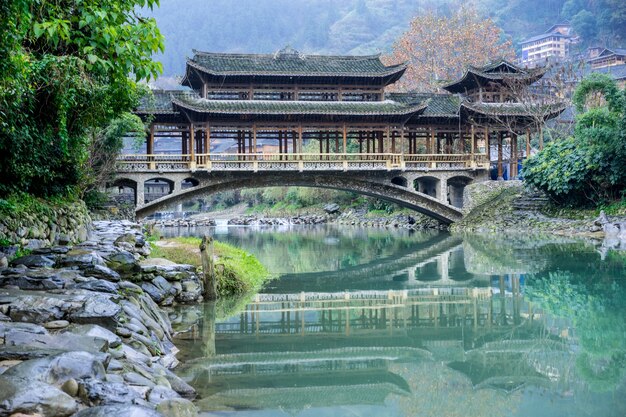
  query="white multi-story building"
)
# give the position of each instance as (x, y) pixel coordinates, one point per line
(553, 45)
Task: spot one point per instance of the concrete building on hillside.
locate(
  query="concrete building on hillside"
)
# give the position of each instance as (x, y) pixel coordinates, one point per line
(552, 45)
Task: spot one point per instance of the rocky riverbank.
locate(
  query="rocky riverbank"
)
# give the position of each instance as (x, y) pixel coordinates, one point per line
(81, 330)
(508, 206)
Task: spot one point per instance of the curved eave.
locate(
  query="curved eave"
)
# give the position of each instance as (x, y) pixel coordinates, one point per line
(550, 110)
(394, 72)
(473, 79)
(403, 111)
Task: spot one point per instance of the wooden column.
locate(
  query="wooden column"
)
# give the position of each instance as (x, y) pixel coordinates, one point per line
(473, 141)
(500, 173)
(251, 148)
(294, 142)
(192, 145)
(345, 139)
(527, 143)
(540, 138)
(254, 137)
(430, 143)
(300, 139)
(513, 161)
(336, 135)
(207, 141)
(150, 147)
(487, 145)
(381, 144)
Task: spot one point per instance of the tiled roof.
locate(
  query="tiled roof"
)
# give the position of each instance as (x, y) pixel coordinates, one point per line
(272, 107)
(290, 62)
(498, 71)
(160, 102)
(439, 105)
(514, 109)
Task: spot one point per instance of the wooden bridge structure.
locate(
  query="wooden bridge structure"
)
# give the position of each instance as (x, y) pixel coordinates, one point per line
(328, 121)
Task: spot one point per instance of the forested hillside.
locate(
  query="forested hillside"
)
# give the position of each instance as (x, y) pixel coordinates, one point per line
(358, 26)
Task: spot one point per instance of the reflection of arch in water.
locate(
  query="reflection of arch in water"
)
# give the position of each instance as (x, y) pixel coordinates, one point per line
(375, 274)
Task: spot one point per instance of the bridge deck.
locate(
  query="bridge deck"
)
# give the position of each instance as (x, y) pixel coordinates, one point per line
(300, 162)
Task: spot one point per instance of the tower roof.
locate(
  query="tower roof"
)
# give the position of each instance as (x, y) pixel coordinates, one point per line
(497, 72)
(289, 64)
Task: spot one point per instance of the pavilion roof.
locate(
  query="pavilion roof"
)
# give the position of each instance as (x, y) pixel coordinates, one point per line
(499, 72)
(546, 111)
(288, 62)
(438, 105)
(194, 103)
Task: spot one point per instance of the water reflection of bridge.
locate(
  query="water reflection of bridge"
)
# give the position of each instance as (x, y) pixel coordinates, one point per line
(438, 261)
(308, 348)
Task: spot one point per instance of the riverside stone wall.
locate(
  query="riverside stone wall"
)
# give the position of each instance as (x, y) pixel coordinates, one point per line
(68, 223)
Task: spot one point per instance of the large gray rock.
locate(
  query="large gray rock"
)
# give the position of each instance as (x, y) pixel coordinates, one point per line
(37, 309)
(158, 295)
(99, 310)
(177, 407)
(34, 261)
(56, 370)
(97, 392)
(82, 258)
(28, 396)
(160, 393)
(37, 280)
(102, 272)
(99, 285)
(93, 330)
(118, 411)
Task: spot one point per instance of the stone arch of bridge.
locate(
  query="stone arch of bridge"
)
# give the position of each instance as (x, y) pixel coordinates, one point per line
(209, 184)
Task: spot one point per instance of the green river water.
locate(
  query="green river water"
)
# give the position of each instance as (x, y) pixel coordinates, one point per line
(374, 322)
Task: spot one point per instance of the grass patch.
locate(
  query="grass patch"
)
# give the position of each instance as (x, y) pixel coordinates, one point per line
(238, 272)
(21, 203)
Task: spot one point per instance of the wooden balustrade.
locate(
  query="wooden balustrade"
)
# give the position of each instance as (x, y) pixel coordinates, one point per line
(299, 161)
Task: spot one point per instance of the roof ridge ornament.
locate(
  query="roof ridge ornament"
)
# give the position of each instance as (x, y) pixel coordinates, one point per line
(288, 52)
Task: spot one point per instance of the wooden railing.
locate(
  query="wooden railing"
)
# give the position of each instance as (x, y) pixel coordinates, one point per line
(300, 161)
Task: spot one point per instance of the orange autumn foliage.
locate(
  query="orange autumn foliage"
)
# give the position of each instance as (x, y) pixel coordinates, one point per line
(439, 48)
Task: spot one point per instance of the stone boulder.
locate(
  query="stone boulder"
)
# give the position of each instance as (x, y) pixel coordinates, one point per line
(56, 370)
(34, 261)
(332, 208)
(28, 396)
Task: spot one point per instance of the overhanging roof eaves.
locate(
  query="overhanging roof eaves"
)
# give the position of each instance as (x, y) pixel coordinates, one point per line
(267, 107)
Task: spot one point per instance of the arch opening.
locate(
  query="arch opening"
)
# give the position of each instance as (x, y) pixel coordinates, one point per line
(401, 181)
(122, 191)
(456, 187)
(428, 185)
(156, 188)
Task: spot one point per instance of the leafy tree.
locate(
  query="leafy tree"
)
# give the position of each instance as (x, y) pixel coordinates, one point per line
(590, 166)
(585, 25)
(65, 79)
(439, 48)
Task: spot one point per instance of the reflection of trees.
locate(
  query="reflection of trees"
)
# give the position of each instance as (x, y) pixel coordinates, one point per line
(597, 311)
(317, 249)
